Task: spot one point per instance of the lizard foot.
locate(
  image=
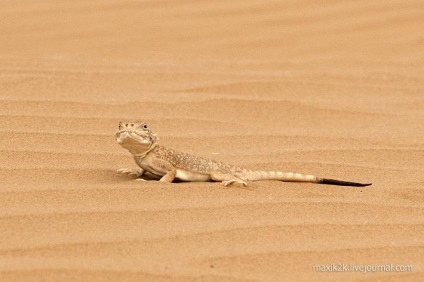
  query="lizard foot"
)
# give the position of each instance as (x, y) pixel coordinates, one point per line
(231, 181)
(129, 171)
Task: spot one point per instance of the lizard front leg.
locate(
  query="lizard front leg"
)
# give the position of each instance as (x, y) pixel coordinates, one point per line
(162, 167)
(130, 171)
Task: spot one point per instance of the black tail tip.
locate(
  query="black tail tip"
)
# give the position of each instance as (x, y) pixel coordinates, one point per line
(329, 181)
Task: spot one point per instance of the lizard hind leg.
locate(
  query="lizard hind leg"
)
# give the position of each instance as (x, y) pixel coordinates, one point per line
(227, 179)
(234, 180)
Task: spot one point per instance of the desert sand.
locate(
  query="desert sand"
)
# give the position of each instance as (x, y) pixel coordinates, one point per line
(330, 88)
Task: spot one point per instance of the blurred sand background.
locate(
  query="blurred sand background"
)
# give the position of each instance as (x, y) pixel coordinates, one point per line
(331, 88)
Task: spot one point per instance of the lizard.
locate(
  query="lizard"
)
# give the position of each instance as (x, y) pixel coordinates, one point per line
(168, 165)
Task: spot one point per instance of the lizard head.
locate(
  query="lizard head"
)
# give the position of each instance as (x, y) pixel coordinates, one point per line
(136, 137)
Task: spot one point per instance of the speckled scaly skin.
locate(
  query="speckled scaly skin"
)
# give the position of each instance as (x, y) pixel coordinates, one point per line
(168, 165)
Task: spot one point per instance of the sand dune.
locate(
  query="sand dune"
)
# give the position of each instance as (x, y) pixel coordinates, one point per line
(331, 88)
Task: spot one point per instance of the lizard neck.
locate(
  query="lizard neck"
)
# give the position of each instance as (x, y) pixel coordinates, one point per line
(144, 154)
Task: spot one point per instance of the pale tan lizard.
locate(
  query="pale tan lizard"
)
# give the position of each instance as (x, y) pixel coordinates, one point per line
(167, 165)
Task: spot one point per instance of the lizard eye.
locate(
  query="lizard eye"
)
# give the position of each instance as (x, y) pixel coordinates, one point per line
(145, 126)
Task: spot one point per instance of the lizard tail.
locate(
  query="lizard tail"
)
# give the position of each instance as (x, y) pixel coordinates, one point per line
(341, 182)
(298, 177)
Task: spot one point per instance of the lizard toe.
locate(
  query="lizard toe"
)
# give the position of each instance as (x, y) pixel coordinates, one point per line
(231, 181)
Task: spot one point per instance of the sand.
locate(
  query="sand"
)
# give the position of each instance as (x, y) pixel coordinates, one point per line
(331, 88)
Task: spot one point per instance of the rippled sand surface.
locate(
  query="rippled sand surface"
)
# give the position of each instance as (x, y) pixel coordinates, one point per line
(331, 88)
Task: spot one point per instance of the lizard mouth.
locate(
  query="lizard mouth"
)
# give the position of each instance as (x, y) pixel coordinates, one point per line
(121, 136)
(125, 134)
(133, 137)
